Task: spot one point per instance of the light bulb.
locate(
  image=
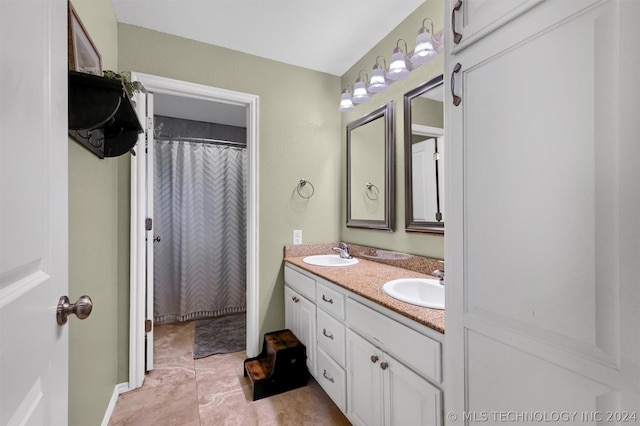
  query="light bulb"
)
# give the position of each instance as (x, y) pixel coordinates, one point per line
(345, 102)
(360, 94)
(377, 83)
(398, 68)
(424, 51)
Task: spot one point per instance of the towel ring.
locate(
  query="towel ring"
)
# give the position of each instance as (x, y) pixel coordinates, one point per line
(369, 186)
(301, 184)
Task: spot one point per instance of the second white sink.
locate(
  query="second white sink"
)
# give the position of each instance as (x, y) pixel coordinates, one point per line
(329, 260)
(417, 291)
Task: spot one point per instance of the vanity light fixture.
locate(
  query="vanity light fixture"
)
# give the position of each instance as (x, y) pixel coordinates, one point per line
(378, 83)
(424, 51)
(428, 46)
(398, 67)
(438, 41)
(345, 101)
(360, 93)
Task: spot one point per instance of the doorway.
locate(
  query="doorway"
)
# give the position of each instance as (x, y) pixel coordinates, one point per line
(141, 295)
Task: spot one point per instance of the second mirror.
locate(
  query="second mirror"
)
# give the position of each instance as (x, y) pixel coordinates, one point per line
(424, 157)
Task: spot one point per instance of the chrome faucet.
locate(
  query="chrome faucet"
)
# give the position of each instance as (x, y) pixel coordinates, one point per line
(439, 273)
(343, 250)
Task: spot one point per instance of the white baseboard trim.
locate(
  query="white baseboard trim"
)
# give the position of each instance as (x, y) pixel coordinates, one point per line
(117, 390)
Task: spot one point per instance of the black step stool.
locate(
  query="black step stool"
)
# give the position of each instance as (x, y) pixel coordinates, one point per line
(280, 367)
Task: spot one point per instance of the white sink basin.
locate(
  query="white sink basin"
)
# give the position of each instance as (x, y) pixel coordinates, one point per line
(329, 260)
(417, 291)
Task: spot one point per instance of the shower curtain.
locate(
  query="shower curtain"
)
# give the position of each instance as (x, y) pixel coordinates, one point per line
(199, 208)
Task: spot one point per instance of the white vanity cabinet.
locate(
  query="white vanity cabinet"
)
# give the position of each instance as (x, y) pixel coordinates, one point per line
(382, 391)
(373, 363)
(388, 366)
(300, 312)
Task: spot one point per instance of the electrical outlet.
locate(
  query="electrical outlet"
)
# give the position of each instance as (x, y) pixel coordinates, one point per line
(297, 236)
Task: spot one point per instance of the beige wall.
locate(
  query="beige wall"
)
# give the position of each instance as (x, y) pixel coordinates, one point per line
(298, 138)
(96, 230)
(421, 244)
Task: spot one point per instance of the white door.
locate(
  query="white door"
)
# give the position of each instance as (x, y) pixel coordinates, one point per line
(542, 242)
(428, 198)
(420, 180)
(151, 237)
(33, 212)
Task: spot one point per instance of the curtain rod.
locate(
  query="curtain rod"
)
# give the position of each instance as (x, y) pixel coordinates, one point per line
(203, 140)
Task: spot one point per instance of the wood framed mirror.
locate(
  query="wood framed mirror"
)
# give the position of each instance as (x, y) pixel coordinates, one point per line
(424, 157)
(370, 170)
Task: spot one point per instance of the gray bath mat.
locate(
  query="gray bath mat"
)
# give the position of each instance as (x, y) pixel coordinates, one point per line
(220, 335)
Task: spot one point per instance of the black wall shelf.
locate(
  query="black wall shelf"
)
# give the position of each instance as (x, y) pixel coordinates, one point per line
(101, 115)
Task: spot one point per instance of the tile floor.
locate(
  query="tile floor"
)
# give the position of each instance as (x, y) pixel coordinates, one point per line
(213, 391)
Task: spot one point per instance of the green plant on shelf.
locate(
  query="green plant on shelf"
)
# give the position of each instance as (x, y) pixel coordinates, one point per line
(131, 86)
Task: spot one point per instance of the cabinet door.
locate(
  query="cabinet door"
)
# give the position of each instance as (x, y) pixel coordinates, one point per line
(307, 331)
(300, 318)
(473, 19)
(290, 309)
(364, 381)
(543, 202)
(409, 399)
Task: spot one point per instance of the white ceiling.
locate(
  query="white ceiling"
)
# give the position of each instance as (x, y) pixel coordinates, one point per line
(323, 35)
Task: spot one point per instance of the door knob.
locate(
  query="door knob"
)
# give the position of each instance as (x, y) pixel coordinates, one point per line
(156, 239)
(82, 308)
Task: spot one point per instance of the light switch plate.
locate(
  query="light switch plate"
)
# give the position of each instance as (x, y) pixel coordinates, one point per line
(297, 236)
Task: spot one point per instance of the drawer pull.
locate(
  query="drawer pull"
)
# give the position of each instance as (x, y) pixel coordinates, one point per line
(326, 376)
(374, 358)
(456, 99)
(327, 300)
(295, 299)
(384, 365)
(324, 331)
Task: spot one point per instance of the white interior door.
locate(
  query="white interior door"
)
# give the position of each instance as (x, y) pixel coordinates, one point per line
(141, 300)
(420, 176)
(33, 212)
(151, 238)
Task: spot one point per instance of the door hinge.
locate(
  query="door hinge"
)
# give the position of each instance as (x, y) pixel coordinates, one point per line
(147, 326)
(149, 123)
(148, 224)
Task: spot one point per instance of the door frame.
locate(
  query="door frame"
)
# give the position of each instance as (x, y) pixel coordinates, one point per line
(137, 333)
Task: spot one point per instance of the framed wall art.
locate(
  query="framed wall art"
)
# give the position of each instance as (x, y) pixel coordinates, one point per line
(83, 54)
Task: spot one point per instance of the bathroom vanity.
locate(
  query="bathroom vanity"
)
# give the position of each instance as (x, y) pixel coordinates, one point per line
(379, 359)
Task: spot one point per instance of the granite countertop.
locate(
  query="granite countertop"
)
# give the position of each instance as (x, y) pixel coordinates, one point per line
(366, 279)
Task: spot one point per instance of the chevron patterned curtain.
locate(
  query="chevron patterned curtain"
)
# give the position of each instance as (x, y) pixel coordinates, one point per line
(199, 208)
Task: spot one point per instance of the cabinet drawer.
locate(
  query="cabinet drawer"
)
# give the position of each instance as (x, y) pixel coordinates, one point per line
(330, 300)
(416, 350)
(301, 283)
(330, 335)
(332, 378)
(476, 19)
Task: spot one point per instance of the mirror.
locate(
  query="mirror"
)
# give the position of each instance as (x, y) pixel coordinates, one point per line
(370, 177)
(424, 157)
